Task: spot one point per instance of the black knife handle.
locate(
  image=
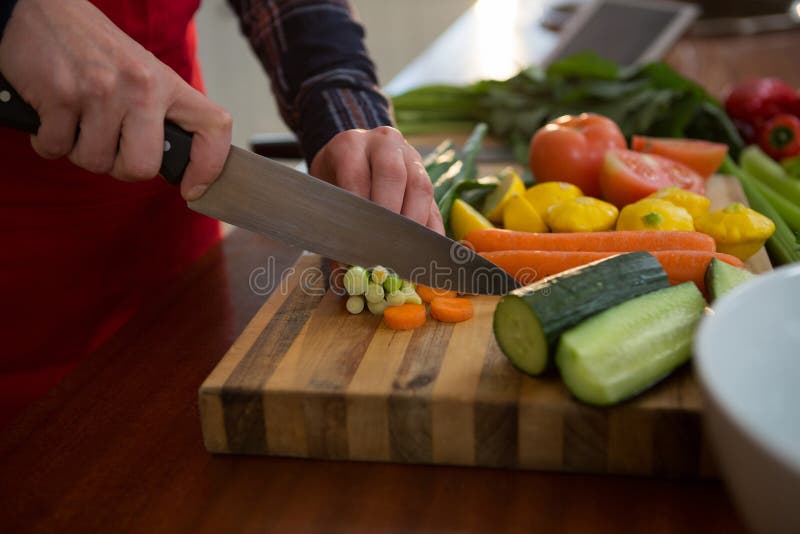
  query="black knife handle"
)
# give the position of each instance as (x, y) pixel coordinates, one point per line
(17, 114)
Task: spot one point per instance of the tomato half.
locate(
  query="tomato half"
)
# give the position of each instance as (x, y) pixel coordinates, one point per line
(628, 176)
(703, 157)
(571, 149)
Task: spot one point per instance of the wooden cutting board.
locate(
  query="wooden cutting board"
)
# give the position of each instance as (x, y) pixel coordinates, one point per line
(307, 379)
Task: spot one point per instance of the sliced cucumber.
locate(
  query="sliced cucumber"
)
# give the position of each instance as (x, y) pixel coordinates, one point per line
(721, 277)
(628, 348)
(529, 320)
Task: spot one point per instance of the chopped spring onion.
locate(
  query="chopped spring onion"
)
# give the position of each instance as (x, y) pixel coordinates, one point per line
(392, 283)
(356, 280)
(355, 304)
(379, 274)
(374, 293)
(376, 308)
(412, 298)
(395, 298)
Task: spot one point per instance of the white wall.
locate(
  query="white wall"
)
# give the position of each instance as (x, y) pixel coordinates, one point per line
(397, 31)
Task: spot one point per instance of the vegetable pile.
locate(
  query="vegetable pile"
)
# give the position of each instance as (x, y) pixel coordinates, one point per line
(399, 301)
(651, 100)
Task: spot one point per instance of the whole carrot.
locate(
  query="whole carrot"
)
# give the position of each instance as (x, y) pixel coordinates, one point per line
(493, 239)
(530, 265)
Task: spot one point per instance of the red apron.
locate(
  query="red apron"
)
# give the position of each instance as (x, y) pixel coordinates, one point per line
(80, 252)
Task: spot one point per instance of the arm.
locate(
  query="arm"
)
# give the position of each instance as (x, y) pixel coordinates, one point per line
(326, 89)
(75, 67)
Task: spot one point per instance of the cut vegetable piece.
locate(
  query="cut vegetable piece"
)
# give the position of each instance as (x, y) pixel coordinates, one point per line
(510, 185)
(627, 348)
(355, 304)
(379, 274)
(356, 280)
(404, 317)
(464, 219)
(544, 195)
(392, 283)
(519, 215)
(721, 277)
(528, 321)
(703, 157)
(374, 293)
(376, 308)
(427, 294)
(620, 241)
(395, 298)
(451, 310)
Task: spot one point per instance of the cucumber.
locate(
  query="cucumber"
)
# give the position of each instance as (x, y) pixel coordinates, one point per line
(628, 348)
(721, 277)
(528, 321)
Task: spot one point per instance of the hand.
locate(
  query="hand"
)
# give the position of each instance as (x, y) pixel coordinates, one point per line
(77, 69)
(380, 165)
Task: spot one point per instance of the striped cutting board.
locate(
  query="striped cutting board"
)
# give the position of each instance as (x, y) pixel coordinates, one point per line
(307, 379)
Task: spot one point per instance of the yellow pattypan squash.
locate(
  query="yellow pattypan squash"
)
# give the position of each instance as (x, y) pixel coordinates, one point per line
(737, 229)
(694, 203)
(546, 194)
(581, 214)
(519, 215)
(654, 214)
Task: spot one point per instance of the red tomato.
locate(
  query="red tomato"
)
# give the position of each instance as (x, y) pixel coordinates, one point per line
(703, 157)
(571, 148)
(628, 176)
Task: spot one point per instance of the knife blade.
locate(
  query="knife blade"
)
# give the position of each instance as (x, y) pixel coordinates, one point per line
(267, 197)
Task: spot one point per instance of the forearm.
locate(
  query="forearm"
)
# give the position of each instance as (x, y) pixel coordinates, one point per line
(322, 77)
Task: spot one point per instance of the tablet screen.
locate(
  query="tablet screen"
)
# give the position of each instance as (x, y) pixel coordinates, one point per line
(619, 32)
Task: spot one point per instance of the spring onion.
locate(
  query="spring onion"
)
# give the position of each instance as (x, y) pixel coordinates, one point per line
(355, 304)
(356, 280)
(395, 298)
(376, 308)
(379, 274)
(374, 293)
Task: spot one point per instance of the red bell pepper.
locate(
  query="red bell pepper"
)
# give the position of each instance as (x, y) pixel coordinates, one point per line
(753, 102)
(780, 136)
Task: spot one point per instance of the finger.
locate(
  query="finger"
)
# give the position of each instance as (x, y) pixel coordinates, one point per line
(56, 135)
(389, 175)
(98, 137)
(211, 126)
(344, 162)
(435, 222)
(419, 190)
(141, 145)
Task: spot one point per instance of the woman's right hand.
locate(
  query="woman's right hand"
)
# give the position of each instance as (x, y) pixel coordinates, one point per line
(77, 69)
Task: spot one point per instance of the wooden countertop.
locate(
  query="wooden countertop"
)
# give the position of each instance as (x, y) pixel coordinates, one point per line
(117, 446)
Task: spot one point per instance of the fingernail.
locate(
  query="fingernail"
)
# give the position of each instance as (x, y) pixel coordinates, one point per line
(196, 192)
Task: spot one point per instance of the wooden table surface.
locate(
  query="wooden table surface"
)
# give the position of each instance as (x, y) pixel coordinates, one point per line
(117, 446)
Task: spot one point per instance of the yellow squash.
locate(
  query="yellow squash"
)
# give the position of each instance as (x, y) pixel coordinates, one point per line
(519, 215)
(581, 214)
(510, 184)
(546, 194)
(737, 229)
(694, 203)
(464, 219)
(654, 214)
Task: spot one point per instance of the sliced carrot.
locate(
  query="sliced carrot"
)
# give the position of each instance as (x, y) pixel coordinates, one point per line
(530, 265)
(404, 317)
(427, 294)
(492, 239)
(451, 310)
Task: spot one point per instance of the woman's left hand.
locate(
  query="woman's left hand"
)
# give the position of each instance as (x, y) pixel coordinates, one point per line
(380, 165)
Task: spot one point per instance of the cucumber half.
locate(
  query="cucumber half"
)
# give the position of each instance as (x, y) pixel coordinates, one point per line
(721, 277)
(628, 348)
(529, 320)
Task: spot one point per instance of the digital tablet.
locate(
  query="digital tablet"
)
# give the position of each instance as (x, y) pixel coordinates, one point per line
(625, 31)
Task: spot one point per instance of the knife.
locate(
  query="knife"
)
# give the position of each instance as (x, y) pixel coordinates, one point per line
(275, 200)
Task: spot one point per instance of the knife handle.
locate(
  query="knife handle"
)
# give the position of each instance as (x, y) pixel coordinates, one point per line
(17, 114)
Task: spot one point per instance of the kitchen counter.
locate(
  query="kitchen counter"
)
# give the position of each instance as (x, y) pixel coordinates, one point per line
(117, 446)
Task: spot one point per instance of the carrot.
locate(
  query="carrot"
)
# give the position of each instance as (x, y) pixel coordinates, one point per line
(427, 294)
(492, 239)
(451, 310)
(530, 265)
(404, 317)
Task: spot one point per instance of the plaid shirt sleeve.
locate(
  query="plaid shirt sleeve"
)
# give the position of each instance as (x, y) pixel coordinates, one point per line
(322, 77)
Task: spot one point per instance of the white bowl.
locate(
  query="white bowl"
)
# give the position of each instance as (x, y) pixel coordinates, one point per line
(747, 355)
